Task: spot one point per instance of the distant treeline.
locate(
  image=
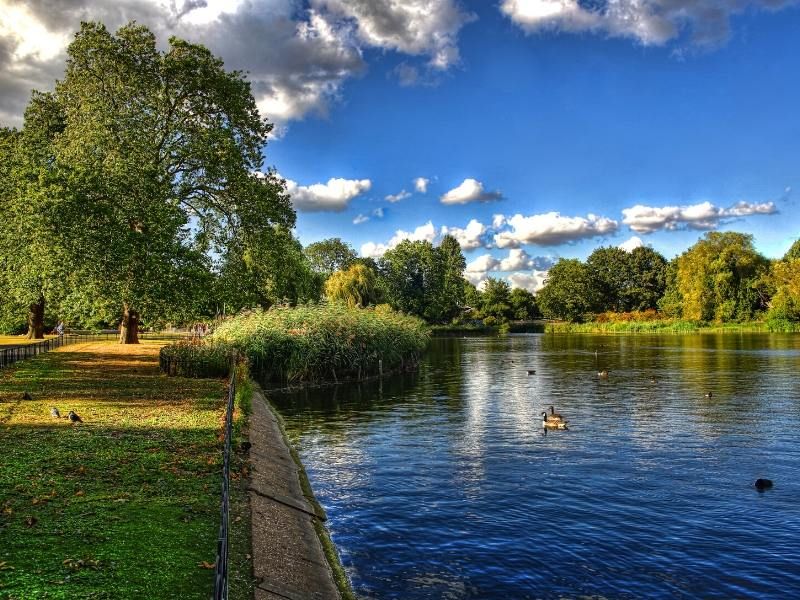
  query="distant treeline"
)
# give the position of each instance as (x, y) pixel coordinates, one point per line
(721, 278)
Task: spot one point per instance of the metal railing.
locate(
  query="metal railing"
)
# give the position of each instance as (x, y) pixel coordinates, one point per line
(221, 564)
(9, 356)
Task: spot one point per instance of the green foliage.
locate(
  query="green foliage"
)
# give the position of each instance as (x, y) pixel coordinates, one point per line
(330, 255)
(523, 305)
(496, 299)
(625, 281)
(718, 278)
(355, 286)
(143, 170)
(324, 342)
(196, 358)
(785, 303)
(793, 252)
(569, 291)
(420, 279)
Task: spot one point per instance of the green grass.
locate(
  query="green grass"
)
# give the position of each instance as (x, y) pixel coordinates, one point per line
(663, 326)
(327, 342)
(125, 505)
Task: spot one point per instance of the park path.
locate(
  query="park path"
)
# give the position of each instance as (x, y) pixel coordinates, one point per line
(288, 560)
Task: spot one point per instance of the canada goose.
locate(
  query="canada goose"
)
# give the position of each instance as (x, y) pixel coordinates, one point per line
(549, 423)
(603, 374)
(709, 395)
(554, 415)
(531, 371)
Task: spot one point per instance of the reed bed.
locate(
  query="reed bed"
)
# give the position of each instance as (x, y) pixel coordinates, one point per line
(325, 342)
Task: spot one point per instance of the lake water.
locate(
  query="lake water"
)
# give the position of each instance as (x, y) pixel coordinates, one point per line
(441, 484)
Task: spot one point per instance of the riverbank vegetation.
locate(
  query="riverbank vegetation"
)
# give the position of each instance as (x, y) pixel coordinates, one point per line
(718, 282)
(326, 342)
(125, 504)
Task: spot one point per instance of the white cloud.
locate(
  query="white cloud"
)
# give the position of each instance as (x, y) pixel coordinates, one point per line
(483, 264)
(296, 60)
(552, 229)
(631, 244)
(471, 237)
(426, 232)
(533, 281)
(333, 196)
(704, 215)
(362, 218)
(421, 184)
(470, 190)
(651, 22)
(401, 195)
(416, 27)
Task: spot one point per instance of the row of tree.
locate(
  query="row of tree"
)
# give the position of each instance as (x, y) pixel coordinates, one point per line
(720, 278)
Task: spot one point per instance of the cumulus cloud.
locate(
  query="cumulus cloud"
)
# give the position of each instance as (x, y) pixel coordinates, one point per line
(551, 229)
(401, 195)
(631, 244)
(650, 22)
(416, 27)
(532, 282)
(296, 60)
(705, 215)
(421, 184)
(333, 196)
(470, 190)
(426, 232)
(362, 218)
(474, 235)
(518, 259)
(359, 219)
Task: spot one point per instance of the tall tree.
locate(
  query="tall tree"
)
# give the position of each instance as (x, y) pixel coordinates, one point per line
(793, 252)
(453, 265)
(30, 253)
(330, 255)
(647, 279)
(354, 286)
(718, 278)
(496, 298)
(523, 305)
(412, 279)
(611, 277)
(161, 155)
(568, 291)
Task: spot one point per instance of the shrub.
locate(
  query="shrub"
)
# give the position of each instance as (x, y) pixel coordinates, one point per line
(196, 358)
(324, 342)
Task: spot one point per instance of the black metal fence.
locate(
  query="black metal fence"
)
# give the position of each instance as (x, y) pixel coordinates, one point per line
(221, 565)
(9, 356)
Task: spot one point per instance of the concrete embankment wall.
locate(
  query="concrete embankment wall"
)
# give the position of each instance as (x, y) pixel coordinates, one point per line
(288, 557)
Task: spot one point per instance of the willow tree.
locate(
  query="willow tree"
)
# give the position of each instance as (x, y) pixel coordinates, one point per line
(354, 286)
(161, 156)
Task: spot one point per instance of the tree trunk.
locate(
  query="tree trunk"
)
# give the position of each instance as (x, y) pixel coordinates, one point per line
(129, 327)
(36, 320)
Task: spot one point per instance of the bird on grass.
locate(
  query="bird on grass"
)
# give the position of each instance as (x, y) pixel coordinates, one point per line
(54, 413)
(73, 417)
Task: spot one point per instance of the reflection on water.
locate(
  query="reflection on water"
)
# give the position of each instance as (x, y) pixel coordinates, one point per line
(441, 484)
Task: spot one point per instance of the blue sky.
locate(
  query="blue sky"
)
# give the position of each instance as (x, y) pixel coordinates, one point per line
(553, 126)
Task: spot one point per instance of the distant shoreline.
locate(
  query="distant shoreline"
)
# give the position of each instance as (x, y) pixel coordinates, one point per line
(669, 326)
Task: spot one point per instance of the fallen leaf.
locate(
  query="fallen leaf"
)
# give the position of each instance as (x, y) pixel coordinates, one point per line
(207, 565)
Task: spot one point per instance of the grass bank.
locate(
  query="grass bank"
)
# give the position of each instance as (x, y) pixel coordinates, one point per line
(125, 505)
(327, 342)
(675, 326)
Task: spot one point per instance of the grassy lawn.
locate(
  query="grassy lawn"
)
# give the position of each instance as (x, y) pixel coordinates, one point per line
(8, 341)
(124, 505)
